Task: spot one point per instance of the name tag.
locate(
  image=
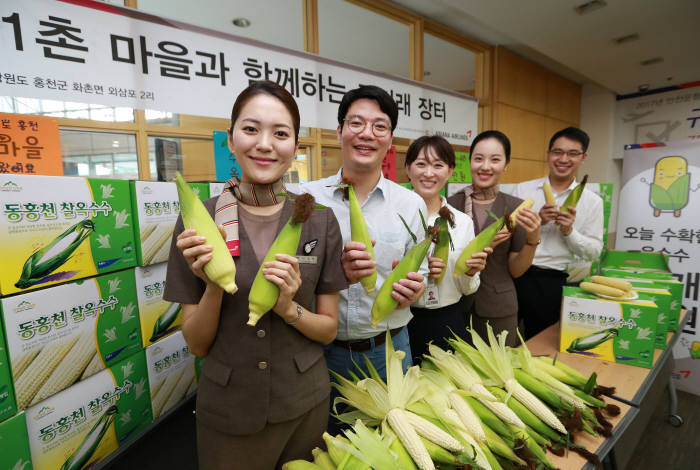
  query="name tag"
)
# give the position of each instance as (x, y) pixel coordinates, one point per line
(307, 259)
(431, 295)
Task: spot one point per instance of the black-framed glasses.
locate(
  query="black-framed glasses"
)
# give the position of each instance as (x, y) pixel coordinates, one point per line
(357, 124)
(570, 153)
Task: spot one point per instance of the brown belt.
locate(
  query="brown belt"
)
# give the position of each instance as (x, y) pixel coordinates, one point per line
(366, 344)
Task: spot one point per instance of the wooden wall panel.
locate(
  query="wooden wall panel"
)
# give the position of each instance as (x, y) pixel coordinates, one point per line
(520, 83)
(551, 126)
(519, 170)
(563, 99)
(198, 160)
(525, 130)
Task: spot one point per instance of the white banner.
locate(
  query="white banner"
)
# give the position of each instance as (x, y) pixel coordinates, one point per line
(662, 116)
(91, 52)
(659, 208)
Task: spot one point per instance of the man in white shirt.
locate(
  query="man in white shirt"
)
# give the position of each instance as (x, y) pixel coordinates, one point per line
(367, 117)
(565, 236)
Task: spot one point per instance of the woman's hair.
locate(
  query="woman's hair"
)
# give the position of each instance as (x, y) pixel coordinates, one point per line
(269, 88)
(499, 136)
(441, 149)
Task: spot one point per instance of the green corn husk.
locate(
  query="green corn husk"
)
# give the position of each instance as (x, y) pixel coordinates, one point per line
(574, 196)
(477, 245)
(591, 341)
(92, 440)
(384, 303)
(528, 417)
(322, 459)
(576, 378)
(499, 446)
(532, 446)
(49, 258)
(444, 243)
(544, 393)
(489, 418)
(300, 465)
(164, 321)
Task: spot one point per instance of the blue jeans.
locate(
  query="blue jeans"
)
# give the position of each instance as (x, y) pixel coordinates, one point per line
(340, 360)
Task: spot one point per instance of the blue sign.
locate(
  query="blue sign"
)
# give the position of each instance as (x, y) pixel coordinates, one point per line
(226, 165)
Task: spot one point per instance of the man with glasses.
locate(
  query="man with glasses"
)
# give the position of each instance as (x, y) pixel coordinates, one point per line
(564, 236)
(367, 117)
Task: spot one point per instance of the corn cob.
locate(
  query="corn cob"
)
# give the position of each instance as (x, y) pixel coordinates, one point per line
(384, 303)
(40, 369)
(438, 454)
(69, 369)
(574, 195)
(22, 362)
(164, 392)
(548, 193)
(146, 231)
(402, 455)
(360, 233)
(150, 246)
(300, 465)
(322, 459)
(431, 432)
(399, 423)
(528, 417)
(180, 390)
(220, 269)
(477, 245)
(616, 283)
(163, 252)
(86, 449)
(444, 243)
(591, 341)
(601, 289)
(49, 258)
(164, 320)
(526, 203)
(264, 294)
(93, 367)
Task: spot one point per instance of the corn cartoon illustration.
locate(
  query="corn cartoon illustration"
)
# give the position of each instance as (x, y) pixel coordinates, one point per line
(669, 190)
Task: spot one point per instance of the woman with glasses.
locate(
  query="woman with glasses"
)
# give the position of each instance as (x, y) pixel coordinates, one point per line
(496, 302)
(442, 310)
(263, 393)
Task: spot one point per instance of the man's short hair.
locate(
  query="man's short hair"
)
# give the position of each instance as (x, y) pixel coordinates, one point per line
(384, 100)
(572, 133)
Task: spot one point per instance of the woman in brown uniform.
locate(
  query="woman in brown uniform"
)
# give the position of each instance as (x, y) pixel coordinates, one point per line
(263, 392)
(495, 301)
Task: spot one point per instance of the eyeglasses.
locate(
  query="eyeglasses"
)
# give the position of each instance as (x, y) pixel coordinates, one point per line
(356, 124)
(570, 153)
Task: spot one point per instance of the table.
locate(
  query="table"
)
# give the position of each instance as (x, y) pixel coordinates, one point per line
(633, 385)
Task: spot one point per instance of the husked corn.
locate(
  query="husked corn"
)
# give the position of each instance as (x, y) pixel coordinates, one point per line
(161, 235)
(40, 369)
(164, 392)
(22, 362)
(69, 369)
(616, 283)
(548, 193)
(93, 367)
(601, 289)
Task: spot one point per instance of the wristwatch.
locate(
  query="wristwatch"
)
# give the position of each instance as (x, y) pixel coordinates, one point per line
(539, 240)
(300, 312)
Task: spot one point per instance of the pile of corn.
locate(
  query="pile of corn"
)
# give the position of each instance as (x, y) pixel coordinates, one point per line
(485, 406)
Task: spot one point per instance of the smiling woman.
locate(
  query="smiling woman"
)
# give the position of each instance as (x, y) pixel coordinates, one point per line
(258, 385)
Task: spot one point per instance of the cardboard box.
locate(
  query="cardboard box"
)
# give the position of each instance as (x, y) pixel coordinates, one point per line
(159, 317)
(641, 261)
(665, 280)
(155, 205)
(8, 406)
(622, 332)
(171, 372)
(93, 417)
(55, 229)
(216, 189)
(78, 327)
(14, 444)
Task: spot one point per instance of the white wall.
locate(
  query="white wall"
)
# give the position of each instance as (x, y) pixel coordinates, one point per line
(598, 120)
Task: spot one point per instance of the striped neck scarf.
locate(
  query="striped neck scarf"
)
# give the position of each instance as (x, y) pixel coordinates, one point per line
(472, 192)
(226, 212)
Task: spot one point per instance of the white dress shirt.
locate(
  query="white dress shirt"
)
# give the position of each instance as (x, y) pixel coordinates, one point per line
(393, 241)
(451, 289)
(585, 242)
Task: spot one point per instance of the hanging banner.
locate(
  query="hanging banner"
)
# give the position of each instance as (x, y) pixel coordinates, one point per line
(659, 207)
(90, 52)
(30, 145)
(389, 164)
(226, 164)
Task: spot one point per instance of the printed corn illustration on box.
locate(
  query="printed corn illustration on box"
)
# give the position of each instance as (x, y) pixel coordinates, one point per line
(158, 317)
(66, 333)
(614, 331)
(171, 372)
(82, 425)
(156, 207)
(664, 280)
(8, 406)
(14, 444)
(59, 228)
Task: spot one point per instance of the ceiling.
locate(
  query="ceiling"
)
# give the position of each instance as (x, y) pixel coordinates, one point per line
(581, 48)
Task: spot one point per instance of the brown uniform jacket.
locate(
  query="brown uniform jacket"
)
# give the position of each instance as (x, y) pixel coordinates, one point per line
(496, 295)
(270, 372)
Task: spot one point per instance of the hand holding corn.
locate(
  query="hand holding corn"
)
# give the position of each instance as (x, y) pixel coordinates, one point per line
(284, 273)
(565, 220)
(436, 266)
(407, 290)
(530, 221)
(502, 235)
(196, 251)
(357, 261)
(477, 262)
